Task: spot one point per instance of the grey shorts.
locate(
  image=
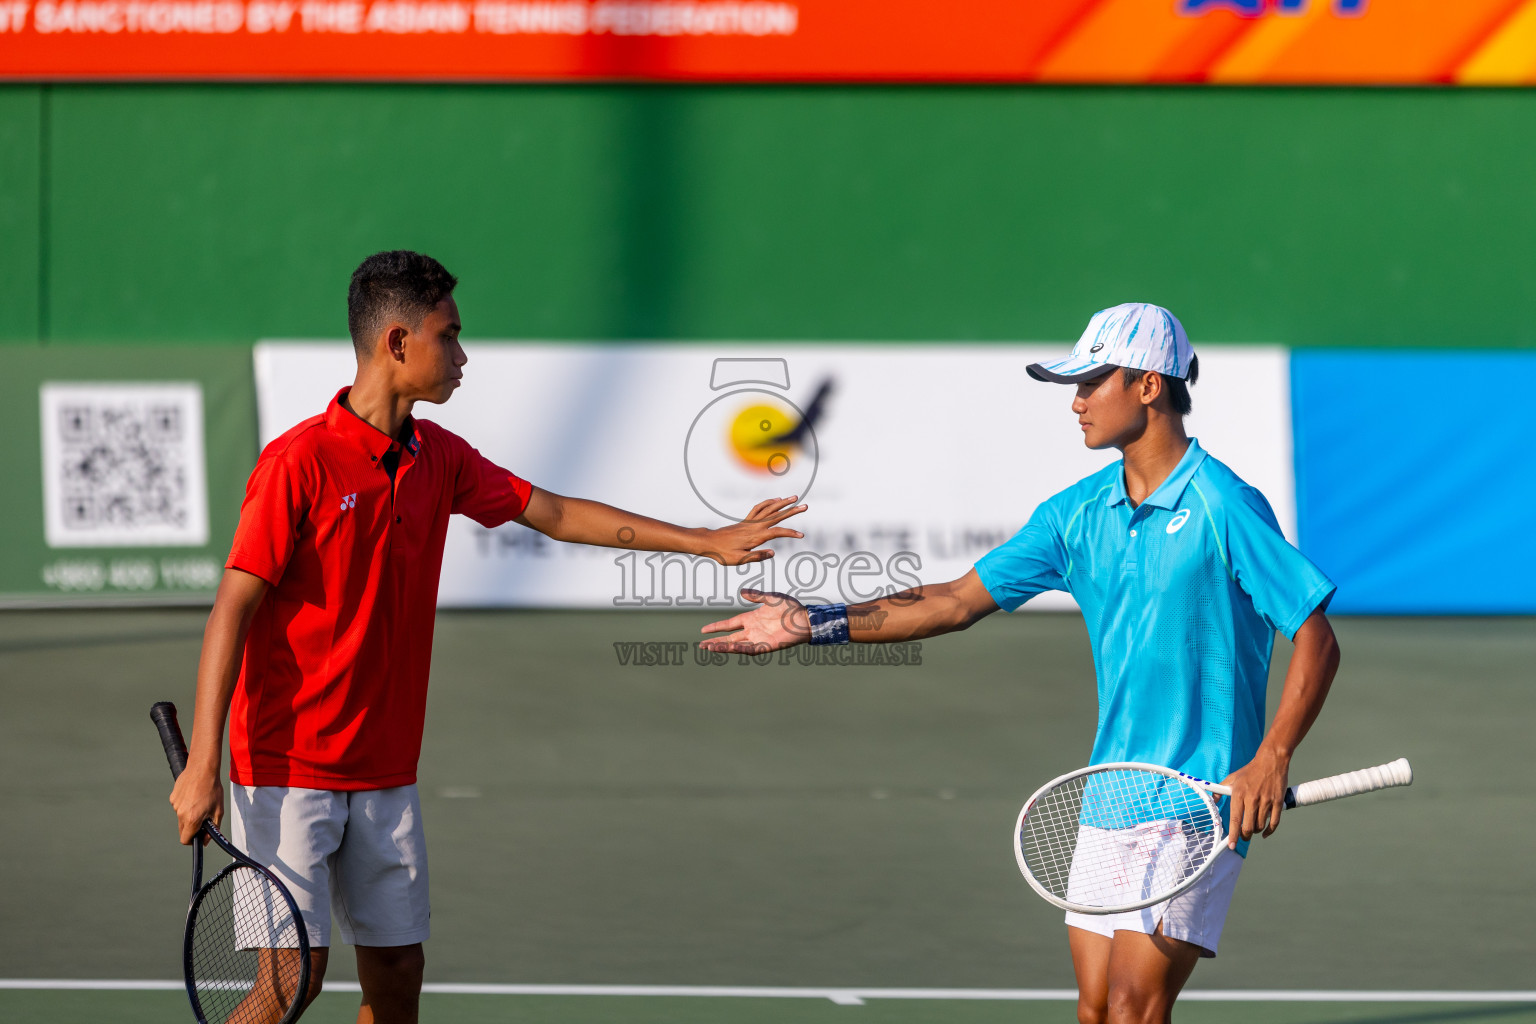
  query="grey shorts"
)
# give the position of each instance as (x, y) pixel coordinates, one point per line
(361, 854)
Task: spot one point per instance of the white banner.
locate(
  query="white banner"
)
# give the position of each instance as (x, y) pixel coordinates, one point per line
(915, 459)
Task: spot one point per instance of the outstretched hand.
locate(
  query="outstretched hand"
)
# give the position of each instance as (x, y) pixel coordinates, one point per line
(777, 622)
(742, 542)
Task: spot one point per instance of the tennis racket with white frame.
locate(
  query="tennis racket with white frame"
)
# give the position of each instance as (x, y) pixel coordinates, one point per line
(1117, 837)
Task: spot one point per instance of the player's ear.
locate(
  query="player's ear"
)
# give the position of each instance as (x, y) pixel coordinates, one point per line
(394, 342)
(1151, 387)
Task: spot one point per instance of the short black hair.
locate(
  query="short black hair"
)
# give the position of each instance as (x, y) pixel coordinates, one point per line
(395, 284)
(1178, 390)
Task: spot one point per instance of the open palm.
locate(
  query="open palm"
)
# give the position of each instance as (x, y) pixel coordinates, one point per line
(777, 622)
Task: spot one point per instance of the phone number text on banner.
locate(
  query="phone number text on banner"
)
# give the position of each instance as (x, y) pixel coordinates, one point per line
(1474, 42)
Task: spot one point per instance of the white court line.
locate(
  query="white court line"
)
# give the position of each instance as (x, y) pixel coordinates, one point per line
(842, 996)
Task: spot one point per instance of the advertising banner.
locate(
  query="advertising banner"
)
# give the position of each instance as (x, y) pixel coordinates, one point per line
(1218, 41)
(1409, 515)
(915, 459)
(125, 466)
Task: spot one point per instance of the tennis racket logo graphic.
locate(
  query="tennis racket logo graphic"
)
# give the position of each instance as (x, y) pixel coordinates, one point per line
(245, 949)
(751, 433)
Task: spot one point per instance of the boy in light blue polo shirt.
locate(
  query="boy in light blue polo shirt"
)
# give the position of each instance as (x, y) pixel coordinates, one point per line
(1183, 577)
(1182, 595)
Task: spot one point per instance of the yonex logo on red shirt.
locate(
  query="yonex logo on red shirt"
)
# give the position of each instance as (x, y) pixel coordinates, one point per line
(350, 501)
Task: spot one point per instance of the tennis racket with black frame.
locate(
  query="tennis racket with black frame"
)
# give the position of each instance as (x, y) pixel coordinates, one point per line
(1118, 837)
(245, 953)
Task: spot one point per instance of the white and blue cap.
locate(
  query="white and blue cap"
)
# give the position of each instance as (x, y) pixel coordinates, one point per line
(1135, 334)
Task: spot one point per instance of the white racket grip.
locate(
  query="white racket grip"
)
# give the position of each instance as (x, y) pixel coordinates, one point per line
(1366, 780)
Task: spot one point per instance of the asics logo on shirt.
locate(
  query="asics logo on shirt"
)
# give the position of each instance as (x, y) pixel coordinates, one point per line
(1177, 522)
(350, 501)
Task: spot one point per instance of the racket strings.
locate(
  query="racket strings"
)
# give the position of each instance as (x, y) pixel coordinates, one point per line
(243, 953)
(1117, 837)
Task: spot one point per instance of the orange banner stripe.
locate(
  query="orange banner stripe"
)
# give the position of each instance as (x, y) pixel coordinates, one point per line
(1393, 41)
(1261, 48)
(1056, 21)
(1192, 59)
(1508, 55)
(1119, 41)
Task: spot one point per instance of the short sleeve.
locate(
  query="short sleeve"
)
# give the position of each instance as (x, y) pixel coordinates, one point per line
(270, 519)
(487, 493)
(1031, 562)
(1283, 584)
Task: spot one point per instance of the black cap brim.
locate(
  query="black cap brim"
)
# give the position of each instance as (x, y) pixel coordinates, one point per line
(1039, 372)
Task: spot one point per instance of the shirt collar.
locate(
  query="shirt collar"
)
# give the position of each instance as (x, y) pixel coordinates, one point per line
(1170, 491)
(365, 435)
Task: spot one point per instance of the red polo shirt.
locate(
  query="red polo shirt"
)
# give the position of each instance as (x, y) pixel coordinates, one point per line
(333, 686)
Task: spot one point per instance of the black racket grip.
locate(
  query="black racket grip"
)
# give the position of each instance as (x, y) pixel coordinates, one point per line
(163, 714)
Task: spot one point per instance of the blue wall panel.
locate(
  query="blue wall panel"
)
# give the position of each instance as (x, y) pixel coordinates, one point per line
(1416, 478)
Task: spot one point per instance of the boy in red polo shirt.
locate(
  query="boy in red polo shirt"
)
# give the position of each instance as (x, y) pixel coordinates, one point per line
(318, 647)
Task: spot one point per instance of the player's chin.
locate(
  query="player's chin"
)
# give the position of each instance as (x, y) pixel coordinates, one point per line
(445, 391)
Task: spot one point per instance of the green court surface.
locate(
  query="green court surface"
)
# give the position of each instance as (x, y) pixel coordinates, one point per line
(592, 823)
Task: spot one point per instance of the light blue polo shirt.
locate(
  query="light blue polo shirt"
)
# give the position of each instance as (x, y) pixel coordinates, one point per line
(1182, 596)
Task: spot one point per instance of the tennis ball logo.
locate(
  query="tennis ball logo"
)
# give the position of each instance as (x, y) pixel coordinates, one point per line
(752, 441)
(758, 437)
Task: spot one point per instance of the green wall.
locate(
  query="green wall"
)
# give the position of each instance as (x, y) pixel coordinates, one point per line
(21, 164)
(1305, 217)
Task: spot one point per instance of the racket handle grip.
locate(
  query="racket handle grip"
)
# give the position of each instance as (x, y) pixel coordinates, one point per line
(163, 714)
(1366, 780)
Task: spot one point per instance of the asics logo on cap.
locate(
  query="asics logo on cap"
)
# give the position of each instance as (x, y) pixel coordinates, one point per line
(350, 501)
(1097, 347)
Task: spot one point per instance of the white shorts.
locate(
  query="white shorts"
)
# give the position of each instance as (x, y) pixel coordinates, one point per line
(360, 853)
(1195, 915)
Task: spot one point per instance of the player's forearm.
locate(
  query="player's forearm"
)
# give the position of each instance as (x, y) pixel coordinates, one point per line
(580, 521)
(1314, 663)
(915, 614)
(218, 668)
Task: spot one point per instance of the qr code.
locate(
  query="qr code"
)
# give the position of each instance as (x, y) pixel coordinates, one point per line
(123, 465)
